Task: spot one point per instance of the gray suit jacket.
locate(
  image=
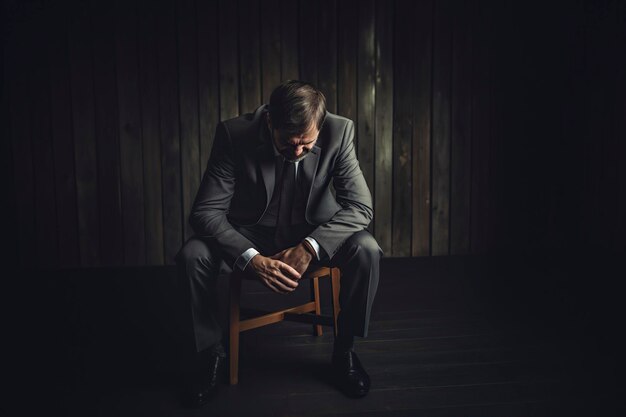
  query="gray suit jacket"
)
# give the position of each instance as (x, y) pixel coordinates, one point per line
(239, 181)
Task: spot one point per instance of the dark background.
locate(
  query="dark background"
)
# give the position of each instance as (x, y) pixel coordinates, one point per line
(482, 126)
(490, 132)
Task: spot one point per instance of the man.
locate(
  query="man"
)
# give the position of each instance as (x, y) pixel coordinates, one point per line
(265, 206)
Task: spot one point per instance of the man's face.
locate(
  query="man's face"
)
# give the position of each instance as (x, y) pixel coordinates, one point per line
(294, 148)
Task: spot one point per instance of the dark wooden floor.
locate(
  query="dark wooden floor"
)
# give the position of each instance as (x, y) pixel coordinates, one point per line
(440, 344)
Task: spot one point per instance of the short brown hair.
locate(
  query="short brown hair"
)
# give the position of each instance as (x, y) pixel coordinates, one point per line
(294, 105)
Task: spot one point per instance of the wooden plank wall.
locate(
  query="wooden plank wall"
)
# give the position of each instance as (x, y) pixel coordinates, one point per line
(112, 107)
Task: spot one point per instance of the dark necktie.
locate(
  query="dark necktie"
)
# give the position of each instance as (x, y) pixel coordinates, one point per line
(285, 206)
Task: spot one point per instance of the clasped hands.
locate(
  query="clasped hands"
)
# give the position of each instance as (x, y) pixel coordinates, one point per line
(281, 272)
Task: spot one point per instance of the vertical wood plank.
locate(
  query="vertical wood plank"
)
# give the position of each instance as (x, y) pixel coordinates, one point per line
(188, 91)
(480, 133)
(460, 169)
(270, 47)
(289, 40)
(347, 59)
(46, 244)
(249, 76)
(11, 247)
(620, 130)
(169, 128)
(383, 208)
(131, 156)
(150, 138)
(308, 46)
(327, 52)
(492, 219)
(63, 142)
(422, 114)
(208, 81)
(112, 242)
(23, 171)
(441, 129)
(366, 94)
(83, 117)
(402, 131)
(229, 63)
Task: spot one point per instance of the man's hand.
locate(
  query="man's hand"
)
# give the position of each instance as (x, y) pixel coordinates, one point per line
(297, 257)
(273, 273)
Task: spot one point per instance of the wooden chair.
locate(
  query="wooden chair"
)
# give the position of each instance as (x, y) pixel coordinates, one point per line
(307, 313)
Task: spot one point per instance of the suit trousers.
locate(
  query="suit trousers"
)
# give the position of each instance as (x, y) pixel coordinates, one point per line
(358, 259)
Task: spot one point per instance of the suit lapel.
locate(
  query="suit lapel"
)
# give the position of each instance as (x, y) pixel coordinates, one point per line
(267, 163)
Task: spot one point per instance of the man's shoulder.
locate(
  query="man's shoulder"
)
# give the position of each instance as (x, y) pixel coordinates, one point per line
(245, 125)
(335, 121)
(333, 130)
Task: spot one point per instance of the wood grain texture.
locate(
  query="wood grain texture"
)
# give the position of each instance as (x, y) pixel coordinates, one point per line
(150, 135)
(461, 135)
(421, 56)
(383, 183)
(366, 82)
(173, 216)
(289, 40)
(270, 48)
(327, 52)
(46, 245)
(308, 58)
(188, 106)
(442, 54)
(228, 58)
(480, 135)
(208, 77)
(402, 132)
(249, 56)
(63, 143)
(347, 41)
(83, 117)
(109, 152)
(131, 157)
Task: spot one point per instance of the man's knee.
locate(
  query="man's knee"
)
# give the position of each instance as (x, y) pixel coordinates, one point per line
(366, 245)
(196, 254)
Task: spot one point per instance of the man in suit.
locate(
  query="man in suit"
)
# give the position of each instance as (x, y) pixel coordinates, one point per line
(265, 206)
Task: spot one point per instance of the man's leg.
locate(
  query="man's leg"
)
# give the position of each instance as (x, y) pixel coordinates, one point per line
(199, 265)
(359, 262)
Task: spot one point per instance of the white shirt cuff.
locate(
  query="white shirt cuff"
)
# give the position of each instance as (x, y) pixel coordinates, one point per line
(244, 258)
(316, 246)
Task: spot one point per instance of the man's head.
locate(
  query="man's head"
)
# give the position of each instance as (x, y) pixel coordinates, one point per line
(296, 114)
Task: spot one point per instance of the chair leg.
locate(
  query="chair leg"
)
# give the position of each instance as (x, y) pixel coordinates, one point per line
(315, 292)
(335, 286)
(235, 296)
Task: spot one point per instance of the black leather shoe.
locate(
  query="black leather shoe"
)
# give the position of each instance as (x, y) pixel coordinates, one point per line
(201, 390)
(349, 374)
